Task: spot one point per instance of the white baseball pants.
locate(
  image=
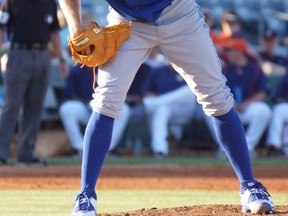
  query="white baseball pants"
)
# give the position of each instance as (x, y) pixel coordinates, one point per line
(73, 114)
(120, 126)
(257, 116)
(173, 107)
(278, 123)
(184, 38)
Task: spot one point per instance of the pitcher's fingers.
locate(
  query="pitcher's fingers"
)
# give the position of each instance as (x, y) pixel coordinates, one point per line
(86, 51)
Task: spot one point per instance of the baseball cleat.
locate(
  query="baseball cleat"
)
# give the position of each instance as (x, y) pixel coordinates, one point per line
(84, 206)
(255, 198)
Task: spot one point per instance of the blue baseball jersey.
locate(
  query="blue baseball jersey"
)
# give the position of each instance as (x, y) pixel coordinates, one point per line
(281, 91)
(140, 10)
(163, 80)
(137, 86)
(245, 81)
(79, 84)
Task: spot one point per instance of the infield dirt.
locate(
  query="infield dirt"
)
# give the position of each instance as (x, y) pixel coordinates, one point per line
(150, 177)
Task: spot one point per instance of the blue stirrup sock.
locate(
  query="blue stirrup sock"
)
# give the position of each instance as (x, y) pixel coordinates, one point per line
(231, 136)
(97, 141)
(96, 144)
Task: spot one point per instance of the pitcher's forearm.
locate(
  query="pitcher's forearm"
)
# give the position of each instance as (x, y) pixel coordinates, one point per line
(72, 12)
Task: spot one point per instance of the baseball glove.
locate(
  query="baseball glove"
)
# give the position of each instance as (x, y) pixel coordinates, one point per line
(103, 42)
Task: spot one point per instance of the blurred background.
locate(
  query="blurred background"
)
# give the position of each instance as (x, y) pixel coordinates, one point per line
(257, 19)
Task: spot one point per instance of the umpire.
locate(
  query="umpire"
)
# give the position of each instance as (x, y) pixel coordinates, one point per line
(30, 25)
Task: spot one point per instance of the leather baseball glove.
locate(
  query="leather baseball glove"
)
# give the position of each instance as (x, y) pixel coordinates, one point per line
(103, 42)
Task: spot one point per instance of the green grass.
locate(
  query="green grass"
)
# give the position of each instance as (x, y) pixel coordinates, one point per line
(35, 203)
(59, 203)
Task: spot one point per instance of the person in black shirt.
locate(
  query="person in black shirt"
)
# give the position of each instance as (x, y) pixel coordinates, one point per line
(30, 25)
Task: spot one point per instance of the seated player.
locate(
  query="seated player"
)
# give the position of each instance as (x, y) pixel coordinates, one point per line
(167, 99)
(249, 87)
(75, 109)
(278, 133)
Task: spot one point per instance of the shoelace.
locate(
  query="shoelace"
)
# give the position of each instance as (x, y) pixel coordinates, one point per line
(258, 188)
(84, 202)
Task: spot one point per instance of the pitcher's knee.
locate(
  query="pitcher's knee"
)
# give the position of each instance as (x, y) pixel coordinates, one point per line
(107, 108)
(218, 107)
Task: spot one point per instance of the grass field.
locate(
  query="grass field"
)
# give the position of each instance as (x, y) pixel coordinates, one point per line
(58, 203)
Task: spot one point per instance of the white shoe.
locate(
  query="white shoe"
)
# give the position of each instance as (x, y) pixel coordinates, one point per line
(84, 206)
(255, 198)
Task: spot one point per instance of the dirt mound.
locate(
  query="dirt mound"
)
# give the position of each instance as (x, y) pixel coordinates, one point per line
(200, 210)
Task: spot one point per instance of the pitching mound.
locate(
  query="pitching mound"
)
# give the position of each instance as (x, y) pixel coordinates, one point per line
(201, 210)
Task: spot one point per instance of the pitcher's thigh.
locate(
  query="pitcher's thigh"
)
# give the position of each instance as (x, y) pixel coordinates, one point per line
(194, 56)
(114, 80)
